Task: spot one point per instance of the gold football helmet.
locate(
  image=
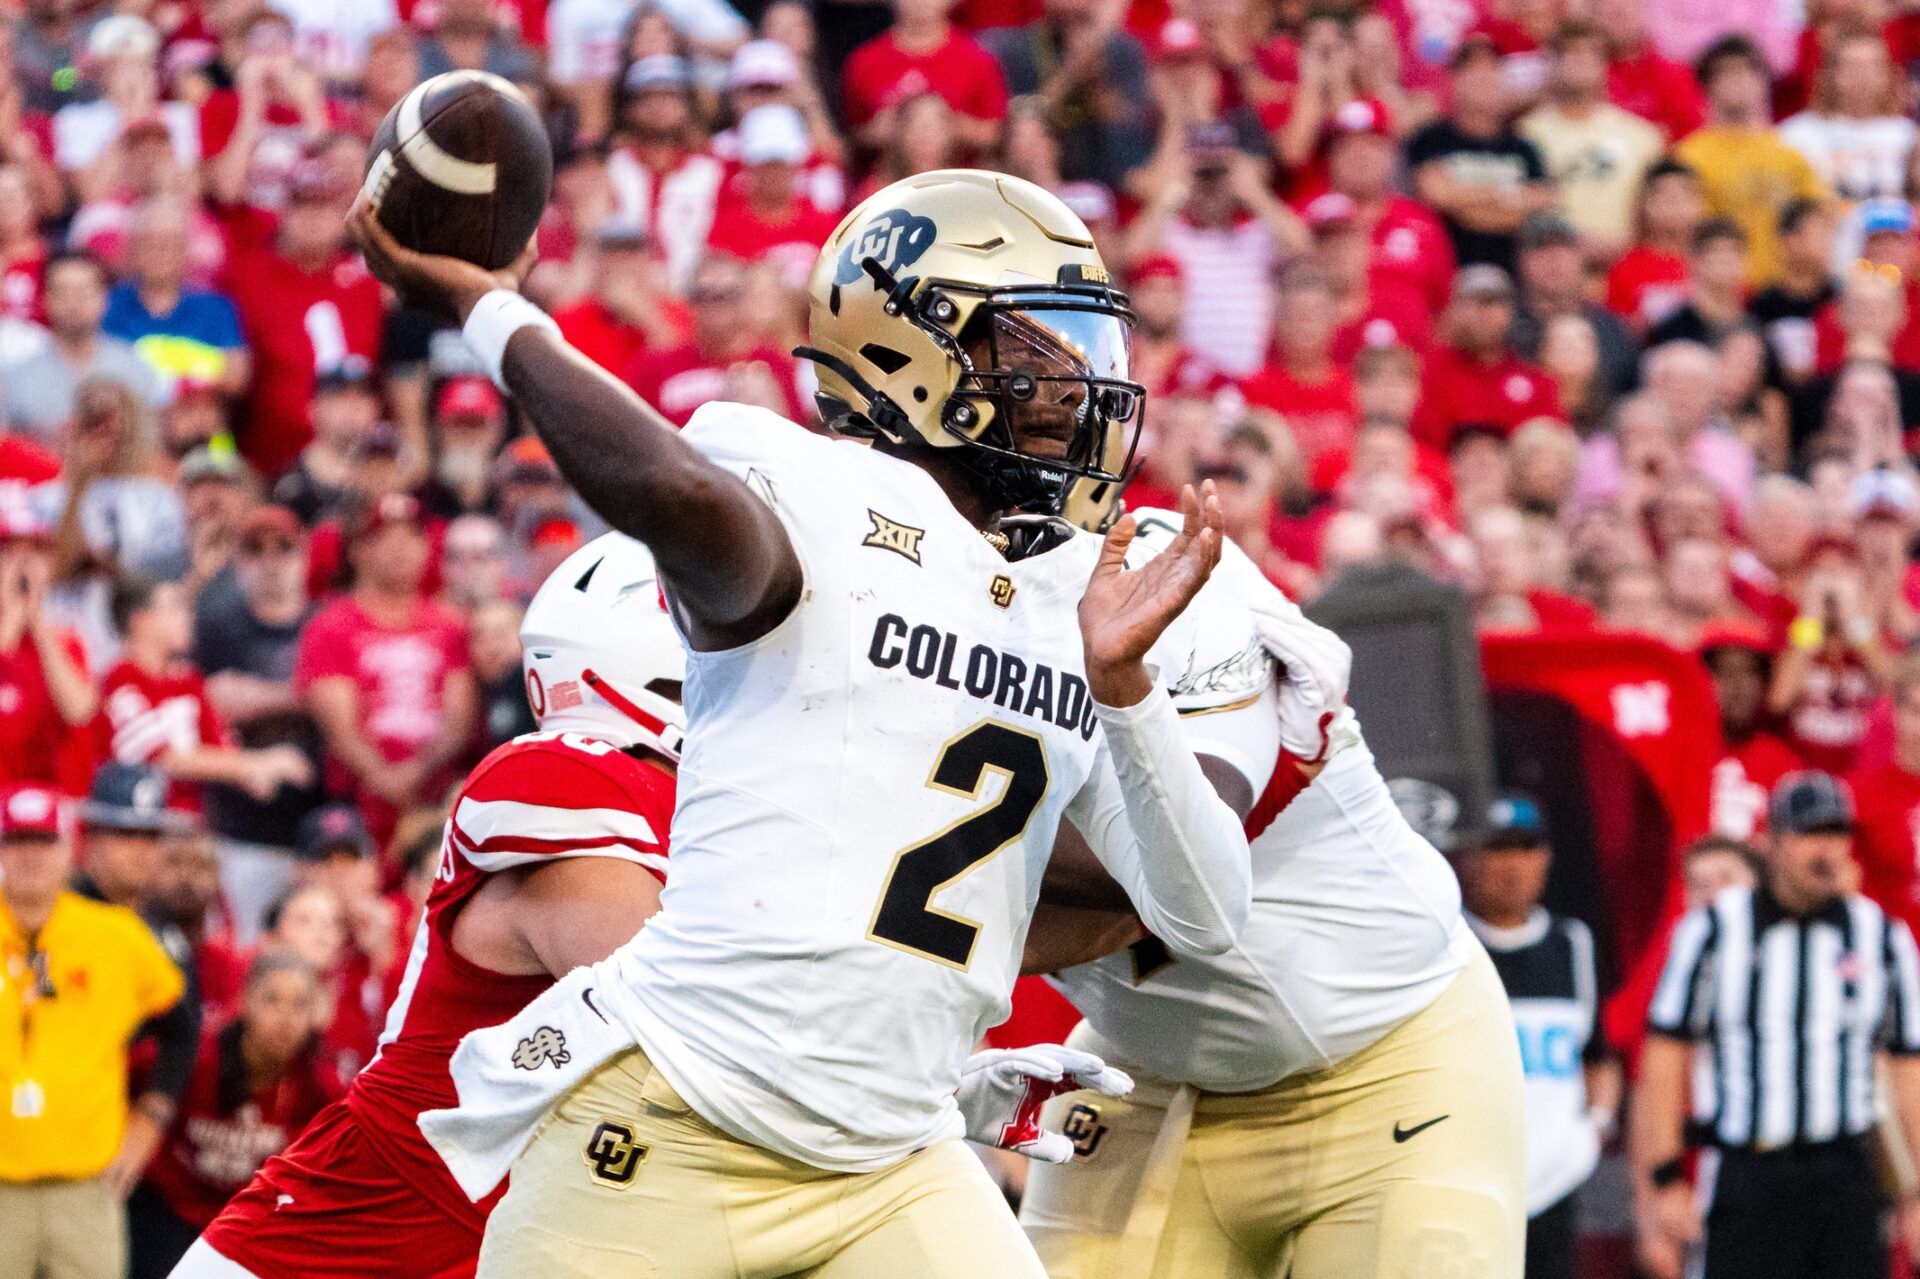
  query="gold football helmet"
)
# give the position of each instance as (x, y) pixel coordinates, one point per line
(948, 304)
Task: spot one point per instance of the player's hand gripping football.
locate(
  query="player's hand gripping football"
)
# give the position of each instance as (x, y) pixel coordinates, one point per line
(445, 284)
(1123, 610)
(1002, 1090)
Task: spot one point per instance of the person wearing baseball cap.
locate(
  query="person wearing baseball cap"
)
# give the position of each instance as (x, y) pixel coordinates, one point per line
(1825, 1010)
(1475, 375)
(1546, 961)
(78, 978)
(1738, 656)
(762, 216)
(468, 425)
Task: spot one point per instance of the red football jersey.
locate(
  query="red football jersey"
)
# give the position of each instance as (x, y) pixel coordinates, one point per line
(144, 718)
(36, 745)
(223, 1132)
(364, 1171)
(1410, 244)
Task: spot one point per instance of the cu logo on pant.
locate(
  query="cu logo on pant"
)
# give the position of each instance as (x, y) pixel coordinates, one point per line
(612, 1154)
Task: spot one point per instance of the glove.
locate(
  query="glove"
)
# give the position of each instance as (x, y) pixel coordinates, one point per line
(1002, 1089)
(1315, 665)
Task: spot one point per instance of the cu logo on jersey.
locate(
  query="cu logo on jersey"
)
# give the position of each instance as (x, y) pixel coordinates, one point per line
(1000, 591)
(613, 1156)
(541, 1047)
(1084, 1129)
(895, 240)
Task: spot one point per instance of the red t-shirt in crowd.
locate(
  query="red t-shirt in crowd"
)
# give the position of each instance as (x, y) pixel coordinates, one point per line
(1657, 89)
(144, 718)
(604, 337)
(1647, 285)
(25, 462)
(1395, 315)
(1742, 782)
(1309, 179)
(880, 73)
(791, 243)
(1457, 389)
(1827, 723)
(1322, 415)
(36, 745)
(1886, 842)
(400, 673)
(1557, 611)
(223, 1132)
(680, 379)
(296, 323)
(1830, 340)
(1411, 244)
(22, 282)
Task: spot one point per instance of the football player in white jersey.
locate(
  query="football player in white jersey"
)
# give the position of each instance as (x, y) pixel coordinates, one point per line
(1340, 1091)
(896, 688)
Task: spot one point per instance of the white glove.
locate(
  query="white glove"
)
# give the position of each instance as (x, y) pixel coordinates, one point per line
(1002, 1089)
(1315, 665)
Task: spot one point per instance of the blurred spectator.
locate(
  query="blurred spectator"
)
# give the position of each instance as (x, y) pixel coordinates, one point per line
(305, 306)
(1544, 461)
(467, 38)
(626, 307)
(665, 181)
(23, 254)
(1470, 165)
(384, 672)
(762, 215)
(1747, 173)
(1372, 306)
(121, 67)
(155, 709)
(1091, 74)
(1327, 101)
(184, 334)
(475, 569)
(768, 73)
(1739, 657)
(1508, 595)
(1546, 961)
(723, 359)
(47, 698)
(922, 52)
(1835, 664)
(1409, 244)
(257, 125)
(1570, 355)
(1649, 282)
(1786, 308)
(1160, 360)
(1302, 382)
(1854, 134)
(504, 713)
(218, 490)
(1716, 289)
(1474, 376)
(256, 1084)
(342, 413)
(1887, 841)
(40, 389)
(310, 921)
(469, 425)
(1220, 220)
(68, 1149)
(244, 642)
(1553, 283)
(1878, 315)
(1641, 79)
(1595, 152)
(186, 910)
(1677, 425)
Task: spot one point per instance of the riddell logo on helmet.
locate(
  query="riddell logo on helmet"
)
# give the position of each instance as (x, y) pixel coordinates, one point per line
(895, 240)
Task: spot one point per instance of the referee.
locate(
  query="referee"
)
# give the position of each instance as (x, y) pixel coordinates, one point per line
(1791, 992)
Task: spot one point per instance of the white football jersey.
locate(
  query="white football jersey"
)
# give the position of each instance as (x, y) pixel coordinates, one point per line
(1356, 922)
(868, 796)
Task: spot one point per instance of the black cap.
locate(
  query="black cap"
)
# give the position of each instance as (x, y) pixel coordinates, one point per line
(1809, 803)
(1513, 820)
(131, 797)
(334, 828)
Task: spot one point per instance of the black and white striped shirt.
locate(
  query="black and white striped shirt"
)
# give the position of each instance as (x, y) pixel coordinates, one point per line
(1791, 1010)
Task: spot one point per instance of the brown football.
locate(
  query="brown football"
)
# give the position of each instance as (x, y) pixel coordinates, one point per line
(462, 166)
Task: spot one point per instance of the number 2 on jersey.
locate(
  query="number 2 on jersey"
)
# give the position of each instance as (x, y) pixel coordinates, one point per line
(906, 917)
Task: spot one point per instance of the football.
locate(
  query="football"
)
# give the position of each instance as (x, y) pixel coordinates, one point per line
(462, 166)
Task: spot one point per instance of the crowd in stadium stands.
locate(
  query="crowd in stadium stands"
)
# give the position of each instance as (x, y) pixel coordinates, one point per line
(1607, 312)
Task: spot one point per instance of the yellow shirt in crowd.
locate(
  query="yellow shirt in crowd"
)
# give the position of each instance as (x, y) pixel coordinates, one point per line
(1749, 175)
(1596, 160)
(64, 1036)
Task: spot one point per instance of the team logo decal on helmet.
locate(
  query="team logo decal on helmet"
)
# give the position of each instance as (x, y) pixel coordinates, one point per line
(895, 240)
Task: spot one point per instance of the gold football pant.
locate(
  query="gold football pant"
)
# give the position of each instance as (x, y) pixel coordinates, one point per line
(1406, 1161)
(625, 1181)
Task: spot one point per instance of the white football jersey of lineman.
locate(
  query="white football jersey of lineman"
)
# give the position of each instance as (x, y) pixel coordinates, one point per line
(1356, 922)
(868, 796)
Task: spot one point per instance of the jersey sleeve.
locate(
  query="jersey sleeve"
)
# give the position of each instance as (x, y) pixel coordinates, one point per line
(1902, 1036)
(557, 798)
(1683, 1001)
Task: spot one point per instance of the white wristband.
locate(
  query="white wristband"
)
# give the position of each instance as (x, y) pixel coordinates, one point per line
(496, 318)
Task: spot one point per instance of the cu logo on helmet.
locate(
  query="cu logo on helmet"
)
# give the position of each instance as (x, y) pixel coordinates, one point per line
(895, 240)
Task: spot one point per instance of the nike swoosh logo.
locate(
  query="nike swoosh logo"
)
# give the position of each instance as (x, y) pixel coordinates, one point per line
(586, 997)
(1405, 1134)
